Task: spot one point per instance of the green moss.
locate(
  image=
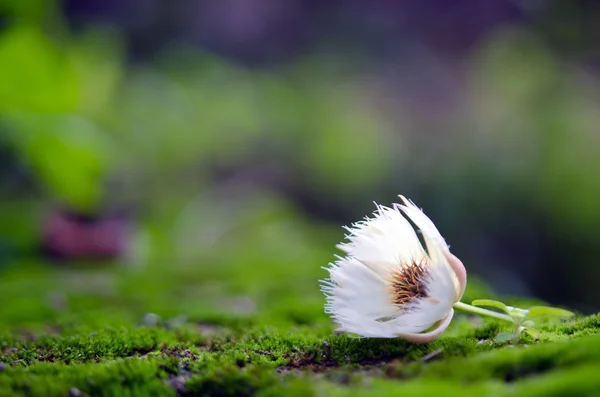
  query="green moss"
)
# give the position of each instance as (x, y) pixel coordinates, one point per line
(158, 361)
(237, 330)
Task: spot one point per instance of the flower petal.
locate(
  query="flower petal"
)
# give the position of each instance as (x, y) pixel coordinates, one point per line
(360, 301)
(460, 272)
(428, 229)
(431, 335)
(427, 311)
(384, 242)
(438, 250)
(356, 294)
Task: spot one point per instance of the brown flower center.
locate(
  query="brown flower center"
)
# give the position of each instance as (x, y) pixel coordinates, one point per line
(409, 283)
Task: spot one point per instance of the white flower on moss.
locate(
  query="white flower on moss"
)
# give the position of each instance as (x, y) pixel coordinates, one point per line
(388, 285)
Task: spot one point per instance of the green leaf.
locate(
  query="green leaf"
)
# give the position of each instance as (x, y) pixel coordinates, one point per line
(505, 337)
(549, 311)
(534, 333)
(491, 303)
(36, 75)
(69, 155)
(516, 312)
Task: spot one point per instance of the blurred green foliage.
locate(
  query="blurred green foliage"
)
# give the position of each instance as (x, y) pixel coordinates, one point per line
(38, 77)
(66, 152)
(39, 101)
(160, 119)
(535, 129)
(31, 10)
(508, 172)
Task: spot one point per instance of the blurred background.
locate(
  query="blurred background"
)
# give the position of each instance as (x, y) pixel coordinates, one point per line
(195, 134)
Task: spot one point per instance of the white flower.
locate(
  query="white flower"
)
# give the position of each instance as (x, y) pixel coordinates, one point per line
(388, 285)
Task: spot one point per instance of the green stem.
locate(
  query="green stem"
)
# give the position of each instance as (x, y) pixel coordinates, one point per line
(483, 312)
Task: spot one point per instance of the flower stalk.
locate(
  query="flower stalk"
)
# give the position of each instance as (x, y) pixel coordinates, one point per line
(482, 312)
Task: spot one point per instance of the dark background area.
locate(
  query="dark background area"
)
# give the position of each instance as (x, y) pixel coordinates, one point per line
(181, 113)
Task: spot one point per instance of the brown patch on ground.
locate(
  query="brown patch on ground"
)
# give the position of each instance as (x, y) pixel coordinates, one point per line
(266, 353)
(309, 360)
(172, 352)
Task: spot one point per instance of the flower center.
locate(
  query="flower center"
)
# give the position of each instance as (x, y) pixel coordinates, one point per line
(409, 283)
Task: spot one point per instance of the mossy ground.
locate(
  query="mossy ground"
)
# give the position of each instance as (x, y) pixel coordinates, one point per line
(249, 321)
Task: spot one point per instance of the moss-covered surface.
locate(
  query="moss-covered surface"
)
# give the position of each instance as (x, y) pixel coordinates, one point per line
(250, 322)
